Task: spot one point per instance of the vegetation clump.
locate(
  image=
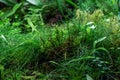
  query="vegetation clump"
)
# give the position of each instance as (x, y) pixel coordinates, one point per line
(59, 40)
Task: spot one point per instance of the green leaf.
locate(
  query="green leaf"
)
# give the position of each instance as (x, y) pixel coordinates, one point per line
(11, 12)
(4, 38)
(81, 58)
(31, 25)
(1, 72)
(8, 2)
(72, 3)
(89, 77)
(103, 49)
(113, 1)
(88, 30)
(53, 62)
(60, 4)
(99, 40)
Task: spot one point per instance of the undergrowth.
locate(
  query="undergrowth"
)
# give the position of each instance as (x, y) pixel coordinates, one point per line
(37, 46)
(85, 47)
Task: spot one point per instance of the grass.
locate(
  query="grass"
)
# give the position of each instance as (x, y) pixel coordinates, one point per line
(85, 47)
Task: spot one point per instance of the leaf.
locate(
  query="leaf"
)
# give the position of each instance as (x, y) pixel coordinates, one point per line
(1, 67)
(82, 58)
(31, 25)
(53, 62)
(72, 3)
(113, 1)
(28, 77)
(35, 2)
(88, 30)
(99, 40)
(1, 72)
(60, 4)
(103, 49)
(4, 38)
(11, 12)
(89, 77)
(8, 2)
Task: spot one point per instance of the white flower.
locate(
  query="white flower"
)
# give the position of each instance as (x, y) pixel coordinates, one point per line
(90, 23)
(107, 20)
(93, 27)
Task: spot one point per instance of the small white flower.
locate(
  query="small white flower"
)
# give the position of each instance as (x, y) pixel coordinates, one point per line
(93, 27)
(107, 20)
(90, 23)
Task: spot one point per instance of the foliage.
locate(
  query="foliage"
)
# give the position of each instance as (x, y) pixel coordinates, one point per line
(8, 2)
(85, 47)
